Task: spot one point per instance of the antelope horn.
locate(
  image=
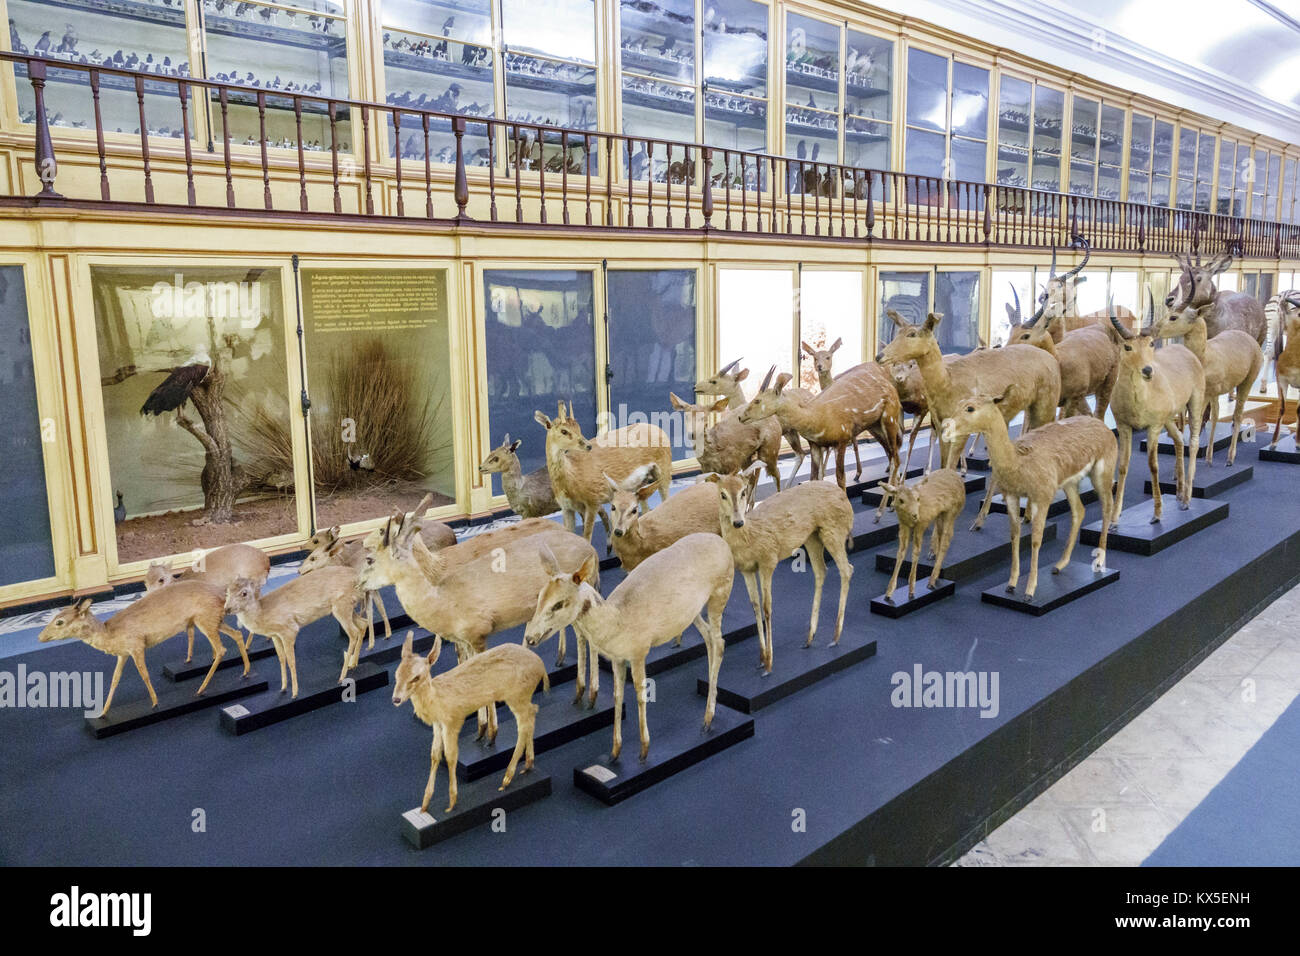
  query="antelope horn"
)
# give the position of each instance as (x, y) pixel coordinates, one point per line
(1016, 295)
(571, 418)
(1052, 272)
(729, 366)
(767, 379)
(1087, 253)
(1124, 333)
(1150, 322)
(427, 500)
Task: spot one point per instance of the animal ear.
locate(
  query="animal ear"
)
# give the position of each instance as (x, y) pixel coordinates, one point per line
(614, 485)
(547, 557)
(836, 344)
(782, 380)
(83, 606)
(335, 531)
(713, 478)
(742, 374)
(807, 348)
(999, 399)
(752, 469)
(932, 320)
(647, 474)
(588, 570)
(514, 445)
(720, 405)
(408, 645)
(434, 651)
(334, 549)
(542, 420)
(897, 319)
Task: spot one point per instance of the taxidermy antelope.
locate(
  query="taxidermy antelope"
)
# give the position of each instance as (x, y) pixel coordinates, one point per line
(282, 613)
(478, 598)
(531, 495)
(508, 673)
(1028, 378)
(148, 622)
(822, 360)
(1230, 310)
(862, 399)
(579, 476)
(220, 567)
(1058, 301)
(687, 582)
(1286, 351)
(1153, 387)
(333, 551)
(937, 499)
(729, 444)
(1088, 357)
(815, 515)
(690, 511)
(727, 385)
(1231, 362)
(1054, 456)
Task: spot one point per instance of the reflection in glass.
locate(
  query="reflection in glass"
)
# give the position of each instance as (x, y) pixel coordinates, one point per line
(1227, 166)
(868, 85)
(468, 21)
(956, 297)
(193, 369)
(651, 344)
(735, 86)
(658, 85)
(908, 294)
(924, 153)
(1008, 285)
(26, 549)
(1139, 159)
(1014, 99)
(970, 101)
(1049, 113)
(927, 90)
(812, 111)
(379, 375)
(540, 346)
(558, 29)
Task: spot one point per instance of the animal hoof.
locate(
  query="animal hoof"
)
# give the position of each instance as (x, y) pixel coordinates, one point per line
(1011, 589)
(1055, 569)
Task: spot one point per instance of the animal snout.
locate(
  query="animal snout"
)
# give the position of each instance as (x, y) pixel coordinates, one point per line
(397, 700)
(738, 522)
(880, 356)
(618, 532)
(1146, 372)
(1169, 299)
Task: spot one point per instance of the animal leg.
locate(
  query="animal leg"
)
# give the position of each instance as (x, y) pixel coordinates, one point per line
(1212, 426)
(212, 631)
(904, 536)
(639, 686)
(1076, 520)
(1277, 429)
(620, 677)
(1100, 474)
(751, 585)
(916, 559)
(833, 540)
(279, 656)
(524, 718)
(1125, 452)
(582, 670)
(1013, 518)
(988, 503)
(435, 757)
(451, 752)
(137, 658)
(112, 686)
(1037, 519)
(594, 687)
(767, 610)
(189, 646)
(238, 638)
(715, 645)
(817, 558)
(946, 523)
(1153, 463)
(290, 652)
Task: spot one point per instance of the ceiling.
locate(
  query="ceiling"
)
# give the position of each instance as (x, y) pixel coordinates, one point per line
(1233, 60)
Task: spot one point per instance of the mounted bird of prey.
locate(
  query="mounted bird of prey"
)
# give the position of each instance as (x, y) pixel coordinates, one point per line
(175, 389)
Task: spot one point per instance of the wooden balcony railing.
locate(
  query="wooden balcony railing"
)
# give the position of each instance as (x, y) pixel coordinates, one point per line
(536, 175)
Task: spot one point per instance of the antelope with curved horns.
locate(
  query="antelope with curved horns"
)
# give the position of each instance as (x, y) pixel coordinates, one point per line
(1089, 359)
(1232, 310)
(1153, 387)
(726, 384)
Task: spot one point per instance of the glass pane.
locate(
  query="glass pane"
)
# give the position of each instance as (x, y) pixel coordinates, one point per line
(444, 76)
(1227, 165)
(550, 92)
(831, 308)
(756, 319)
(1049, 115)
(735, 122)
(1289, 191)
(1258, 180)
(866, 144)
(1110, 150)
(927, 90)
(1160, 190)
(651, 345)
(1139, 188)
(1007, 286)
(1274, 186)
(270, 49)
(924, 153)
(735, 47)
(659, 111)
(1046, 171)
(1227, 281)
(1081, 176)
(563, 29)
(970, 101)
(1108, 182)
(908, 294)
(658, 40)
(1014, 105)
(192, 351)
(152, 38)
(957, 297)
(1139, 149)
(1090, 296)
(1124, 290)
(968, 160)
(1083, 130)
(469, 21)
(379, 375)
(26, 549)
(869, 76)
(1162, 150)
(540, 345)
(812, 64)
(813, 146)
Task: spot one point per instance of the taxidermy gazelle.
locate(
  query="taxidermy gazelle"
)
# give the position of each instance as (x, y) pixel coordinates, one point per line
(334, 552)
(508, 673)
(1154, 387)
(1054, 456)
(815, 515)
(937, 499)
(1058, 301)
(688, 582)
(1088, 356)
(729, 444)
(1229, 310)
(1286, 351)
(726, 384)
(692, 510)
(530, 495)
(822, 360)
(1231, 362)
(219, 568)
(154, 618)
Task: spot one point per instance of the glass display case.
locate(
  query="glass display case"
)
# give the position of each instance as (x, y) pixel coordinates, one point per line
(735, 89)
(1274, 187)
(908, 294)
(278, 50)
(1015, 105)
(193, 368)
(26, 548)
(1096, 148)
(925, 146)
(1139, 158)
(651, 345)
(868, 100)
(379, 377)
(970, 123)
(812, 101)
(1223, 204)
(756, 321)
(1049, 120)
(1184, 191)
(1258, 182)
(549, 49)
(1290, 210)
(1205, 148)
(145, 35)
(540, 344)
(438, 55)
(659, 85)
(1162, 161)
(957, 299)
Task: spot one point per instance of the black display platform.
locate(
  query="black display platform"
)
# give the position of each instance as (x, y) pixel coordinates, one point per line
(127, 715)
(973, 483)
(1137, 535)
(559, 720)
(273, 707)
(1209, 482)
(743, 686)
(971, 553)
(1060, 504)
(677, 741)
(1165, 446)
(900, 605)
(1054, 590)
(1285, 452)
(867, 532)
(477, 804)
(177, 670)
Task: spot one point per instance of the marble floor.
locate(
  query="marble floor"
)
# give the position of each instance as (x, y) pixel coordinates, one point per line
(1119, 804)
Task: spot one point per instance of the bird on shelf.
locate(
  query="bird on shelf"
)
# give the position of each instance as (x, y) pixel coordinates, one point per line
(447, 25)
(119, 512)
(175, 390)
(43, 44)
(15, 41)
(812, 103)
(69, 42)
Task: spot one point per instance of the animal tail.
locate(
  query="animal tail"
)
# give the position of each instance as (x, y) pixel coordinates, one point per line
(546, 681)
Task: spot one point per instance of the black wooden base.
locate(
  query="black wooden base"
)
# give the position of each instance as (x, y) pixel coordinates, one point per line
(274, 707)
(872, 475)
(1137, 535)
(1209, 482)
(900, 605)
(559, 721)
(1054, 590)
(177, 670)
(743, 686)
(1060, 504)
(475, 805)
(974, 483)
(971, 553)
(677, 741)
(869, 533)
(172, 702)
(1285, 451)
(1166, 444)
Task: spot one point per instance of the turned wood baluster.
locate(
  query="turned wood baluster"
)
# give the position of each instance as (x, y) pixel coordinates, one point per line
(334, 149)
(491, 130)
(688, 173)
(726, 172)
(772, 210)
(744, 196)
(629, 184)
(706, 188)
(365, 159)
(609, 180)
(461, 187)
(649, 183)
(99, 137)
(428, 167)
(144, 140)
(225, 146)
(266, 166)
(519, 193)
(397, 160)
(564, 176)
(183, 91)
(586, 163)
(668, 205)
(47, 165)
